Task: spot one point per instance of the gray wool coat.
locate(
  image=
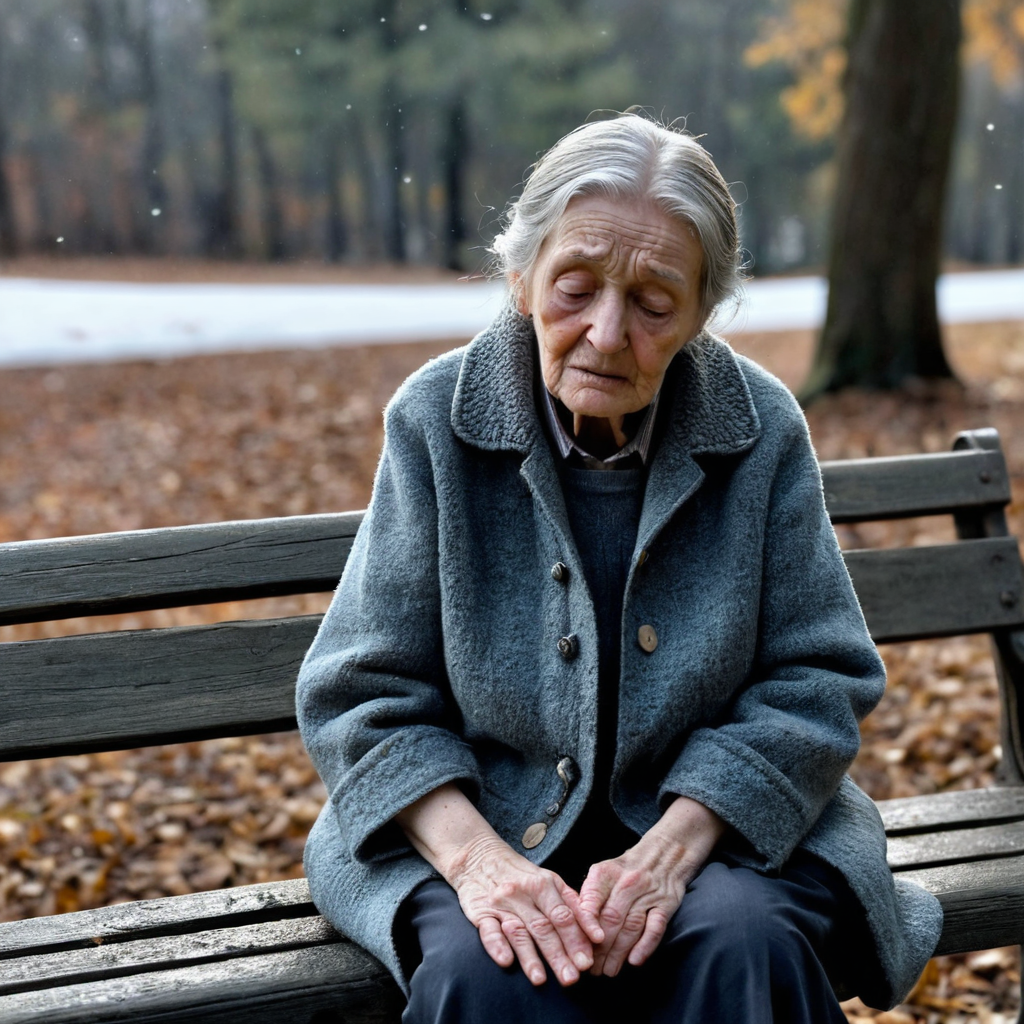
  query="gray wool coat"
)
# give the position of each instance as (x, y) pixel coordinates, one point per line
(439, 661)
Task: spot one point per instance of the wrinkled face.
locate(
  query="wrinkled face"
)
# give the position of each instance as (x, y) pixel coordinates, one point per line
(614, 296)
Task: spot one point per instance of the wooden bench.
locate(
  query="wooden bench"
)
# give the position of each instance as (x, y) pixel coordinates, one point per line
(261, 952)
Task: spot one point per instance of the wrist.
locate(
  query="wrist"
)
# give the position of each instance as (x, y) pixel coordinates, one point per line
(684, 836)
(446, 830)
(470, 857)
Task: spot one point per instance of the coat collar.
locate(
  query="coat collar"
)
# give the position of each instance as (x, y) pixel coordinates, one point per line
(709, 411)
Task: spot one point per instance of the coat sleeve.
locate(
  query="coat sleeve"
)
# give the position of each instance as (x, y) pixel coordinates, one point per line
(777, 757)
(373, 704)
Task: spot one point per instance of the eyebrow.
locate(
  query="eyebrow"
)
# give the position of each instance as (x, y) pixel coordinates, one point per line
(668, 275)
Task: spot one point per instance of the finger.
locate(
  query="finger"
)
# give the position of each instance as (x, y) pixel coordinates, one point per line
(587, 919)
(631, 930)
(595, 891)
(518, 936)
(654, 932)
(561, 912)
(494, 942)
(549, 942)
(612, 920)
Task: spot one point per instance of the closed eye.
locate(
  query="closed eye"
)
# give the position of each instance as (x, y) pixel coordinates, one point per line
(658, 314)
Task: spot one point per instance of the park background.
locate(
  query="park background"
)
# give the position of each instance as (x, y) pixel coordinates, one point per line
(263, 142)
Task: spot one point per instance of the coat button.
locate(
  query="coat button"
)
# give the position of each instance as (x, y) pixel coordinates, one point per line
(534, 835)
(641, 558)
(647, 638)
(559, 572)
(569, 647)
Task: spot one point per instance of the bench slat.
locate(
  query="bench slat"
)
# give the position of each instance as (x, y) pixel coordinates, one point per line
(944, 590)
(114, 690)
(339, 980)
(109, 691)
(906, 815)
(141, 569)
(120, 959)
(168, 915)
(983, 903)
(913, 485)
(954, 846)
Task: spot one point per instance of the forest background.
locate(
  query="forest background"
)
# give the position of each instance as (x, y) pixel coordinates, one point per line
(383, 130)
(292, 140)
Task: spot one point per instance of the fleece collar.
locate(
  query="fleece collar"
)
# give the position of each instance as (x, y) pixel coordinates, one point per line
(710, 409)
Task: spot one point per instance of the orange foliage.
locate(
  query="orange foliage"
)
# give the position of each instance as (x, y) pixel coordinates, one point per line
(994, 31)
(808, 37)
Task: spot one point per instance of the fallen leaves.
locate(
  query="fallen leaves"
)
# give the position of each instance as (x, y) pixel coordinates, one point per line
(100, 828)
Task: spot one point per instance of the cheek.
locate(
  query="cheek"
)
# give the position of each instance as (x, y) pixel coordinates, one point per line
(556, 335)
(653, 354)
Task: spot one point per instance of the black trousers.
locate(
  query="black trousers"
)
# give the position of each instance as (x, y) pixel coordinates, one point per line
(743, 948)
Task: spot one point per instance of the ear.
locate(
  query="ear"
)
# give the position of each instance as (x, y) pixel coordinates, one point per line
(518, 288)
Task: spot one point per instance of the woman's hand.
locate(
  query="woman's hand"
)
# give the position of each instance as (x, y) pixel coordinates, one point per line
(524, 912)
(635, 895)
(521, 911)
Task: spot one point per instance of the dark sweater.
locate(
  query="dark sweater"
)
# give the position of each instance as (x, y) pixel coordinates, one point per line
(604, 515)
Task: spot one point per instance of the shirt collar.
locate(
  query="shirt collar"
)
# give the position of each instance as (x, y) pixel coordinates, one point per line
(566, 443)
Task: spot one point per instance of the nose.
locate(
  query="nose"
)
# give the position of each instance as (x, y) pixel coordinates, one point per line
(607, 331)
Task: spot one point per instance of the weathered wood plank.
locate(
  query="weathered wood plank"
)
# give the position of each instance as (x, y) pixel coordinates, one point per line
(948, 810)
(140, 569)
(340, 981)
(120, 959)
(956, 845)
(109, 691)
(945, 590)
(169, 915)
(913, 485)
(983, 903)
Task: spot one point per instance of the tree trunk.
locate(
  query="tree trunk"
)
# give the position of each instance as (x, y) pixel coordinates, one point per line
(152, 188)
(394, 215)
(394, 150)
(454, 160)
(337, 229)
(273, 219)
(893, 157)
(224, 231)
(8, 236)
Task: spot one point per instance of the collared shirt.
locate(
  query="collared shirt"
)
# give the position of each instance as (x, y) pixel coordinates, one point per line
(567, 446)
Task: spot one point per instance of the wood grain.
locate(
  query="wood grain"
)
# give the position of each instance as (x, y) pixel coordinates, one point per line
(972, 586)
(899, 486)
(110, 691)
(947, 810)
(169, 915)
(119, 959)
(983, 903)
(317, 985)
(171, 567)
(954, 846)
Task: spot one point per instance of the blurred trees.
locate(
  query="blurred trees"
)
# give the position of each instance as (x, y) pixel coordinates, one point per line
(369, 130)
(398, 129)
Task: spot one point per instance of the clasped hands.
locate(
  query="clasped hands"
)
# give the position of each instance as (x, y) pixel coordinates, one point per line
(528, 914)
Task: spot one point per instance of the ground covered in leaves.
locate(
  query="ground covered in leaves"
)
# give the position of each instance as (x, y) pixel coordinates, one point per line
(94, 448)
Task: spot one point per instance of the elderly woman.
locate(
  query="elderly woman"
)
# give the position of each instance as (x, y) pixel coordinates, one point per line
(584, 699)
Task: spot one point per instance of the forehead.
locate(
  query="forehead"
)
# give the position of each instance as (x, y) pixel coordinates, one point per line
(610, 231)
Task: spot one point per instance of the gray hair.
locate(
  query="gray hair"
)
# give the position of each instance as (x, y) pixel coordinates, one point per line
(627, 157)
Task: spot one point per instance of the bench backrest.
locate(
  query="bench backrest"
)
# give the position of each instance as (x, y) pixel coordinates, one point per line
(108, 691)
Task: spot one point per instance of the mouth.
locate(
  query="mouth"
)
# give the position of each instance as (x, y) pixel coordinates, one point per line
(587, 372)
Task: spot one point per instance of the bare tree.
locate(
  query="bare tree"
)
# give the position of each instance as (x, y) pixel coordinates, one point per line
(894, 151)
